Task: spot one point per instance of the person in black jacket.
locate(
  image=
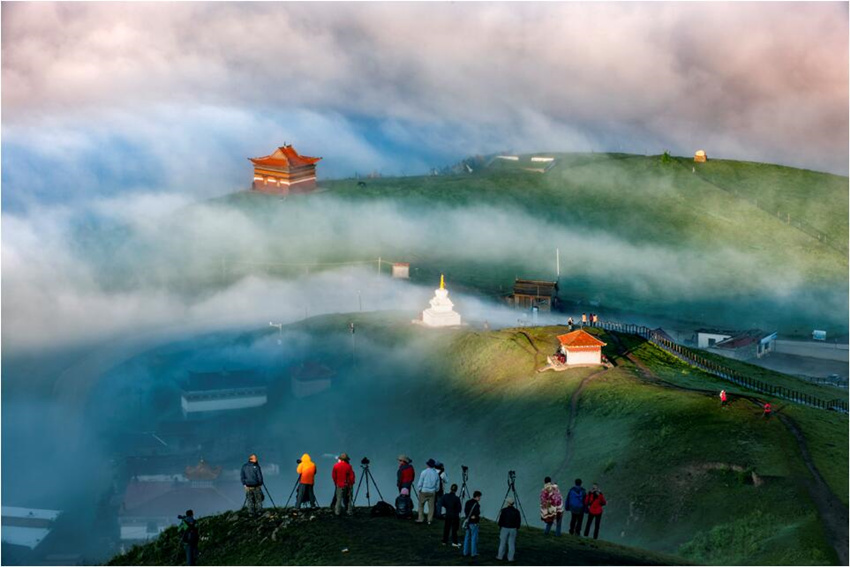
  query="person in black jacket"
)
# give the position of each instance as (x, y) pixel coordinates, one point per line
(509, 522)
(252, 480)
(452, 516)
(472, 512)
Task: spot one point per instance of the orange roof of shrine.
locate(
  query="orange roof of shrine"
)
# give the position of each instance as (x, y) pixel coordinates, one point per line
(580, 339)
(285, 156)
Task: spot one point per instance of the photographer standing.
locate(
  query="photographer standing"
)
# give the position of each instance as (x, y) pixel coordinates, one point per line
(406, 474)
(306, 478)
(429, 483)
(452, 517)
(252, 480)
(343, 477)
(509, 523)
(594, 501)
(472, 511)
(188, 530)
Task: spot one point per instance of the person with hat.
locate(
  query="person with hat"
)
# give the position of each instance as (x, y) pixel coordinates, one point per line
(306, 470)
(404, 505)
(343, 477)
(509, 522)
(722, 398)
(429, 482)
(405, 474)
(252, 479)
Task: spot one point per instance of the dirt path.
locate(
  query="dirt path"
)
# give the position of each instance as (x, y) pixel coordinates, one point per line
(571, 422)
(534, 346)
(832, 512)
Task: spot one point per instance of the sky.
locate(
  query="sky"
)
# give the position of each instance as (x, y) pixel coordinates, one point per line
(170, 97)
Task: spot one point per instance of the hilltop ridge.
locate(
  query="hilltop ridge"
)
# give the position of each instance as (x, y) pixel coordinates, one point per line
(280, 537)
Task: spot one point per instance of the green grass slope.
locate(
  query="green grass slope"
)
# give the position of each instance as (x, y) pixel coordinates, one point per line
(701, 214)
(682, 475)
(678, 469)
(320, 538)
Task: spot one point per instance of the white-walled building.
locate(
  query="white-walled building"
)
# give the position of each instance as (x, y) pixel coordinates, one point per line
(207, 392)
(580, 348)
(27, 527)
(705, 338)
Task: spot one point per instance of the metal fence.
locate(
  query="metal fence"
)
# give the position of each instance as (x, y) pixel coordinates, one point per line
(722, 371)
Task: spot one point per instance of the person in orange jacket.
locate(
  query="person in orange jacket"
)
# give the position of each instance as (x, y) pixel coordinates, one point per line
(306, 478)
(594, 501)
(343, 477)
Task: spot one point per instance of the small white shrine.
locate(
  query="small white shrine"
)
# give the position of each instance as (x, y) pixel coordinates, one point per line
(441, 312)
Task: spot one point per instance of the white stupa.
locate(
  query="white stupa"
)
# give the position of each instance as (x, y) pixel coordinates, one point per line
(441, 312)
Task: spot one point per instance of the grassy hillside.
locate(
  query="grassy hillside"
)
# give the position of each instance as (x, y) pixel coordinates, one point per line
(320, 538)
(699, 217)
(677, 468)
(681, 474)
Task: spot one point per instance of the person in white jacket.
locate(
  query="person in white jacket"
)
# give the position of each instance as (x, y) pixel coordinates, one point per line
(429, 482)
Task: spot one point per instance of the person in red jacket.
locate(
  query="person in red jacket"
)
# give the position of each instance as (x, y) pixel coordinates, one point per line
(722, 397)
(405, 475)
(767, 410)
(593, 502)
(343, 476)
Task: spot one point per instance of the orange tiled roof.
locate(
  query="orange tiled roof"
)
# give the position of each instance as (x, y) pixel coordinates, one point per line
(285, 156)
(580, 339)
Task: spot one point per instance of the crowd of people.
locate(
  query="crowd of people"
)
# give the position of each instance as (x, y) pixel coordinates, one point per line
(437, 500)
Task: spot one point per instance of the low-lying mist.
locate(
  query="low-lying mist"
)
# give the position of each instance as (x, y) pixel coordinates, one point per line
(119, 267)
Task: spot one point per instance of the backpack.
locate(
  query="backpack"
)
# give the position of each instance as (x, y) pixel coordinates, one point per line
(190, 533)
(382, 509)
(575, 499)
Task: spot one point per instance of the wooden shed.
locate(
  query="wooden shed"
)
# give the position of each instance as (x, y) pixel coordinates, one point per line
(535, 293)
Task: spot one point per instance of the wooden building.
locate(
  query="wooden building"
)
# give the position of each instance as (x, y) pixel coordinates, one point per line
(580, 348)
(284, 171)
(535, 293)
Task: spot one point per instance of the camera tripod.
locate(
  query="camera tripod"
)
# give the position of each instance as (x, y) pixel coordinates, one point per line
(367, 475)
(512, 490)
(464, 489)
(294, 488)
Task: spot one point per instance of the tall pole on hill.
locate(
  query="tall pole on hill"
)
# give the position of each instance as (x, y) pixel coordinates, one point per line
(557, 264)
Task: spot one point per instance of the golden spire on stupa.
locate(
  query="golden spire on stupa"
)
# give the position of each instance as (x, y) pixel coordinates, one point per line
(442, 282)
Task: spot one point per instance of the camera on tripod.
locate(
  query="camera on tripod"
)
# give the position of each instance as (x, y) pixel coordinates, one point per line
(511, 477)
(464, 468)
(364, 462)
